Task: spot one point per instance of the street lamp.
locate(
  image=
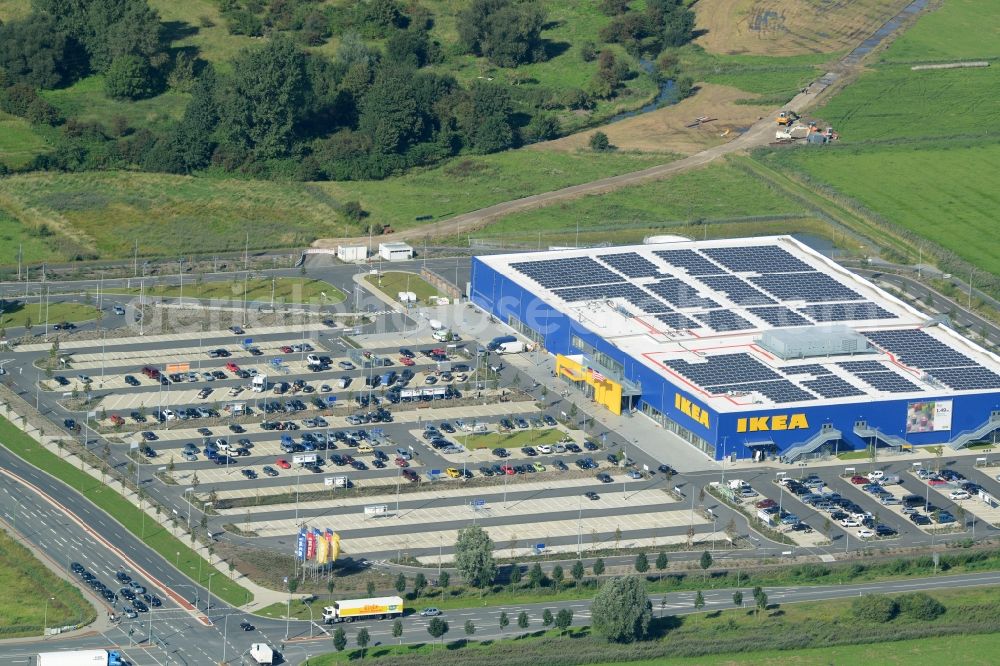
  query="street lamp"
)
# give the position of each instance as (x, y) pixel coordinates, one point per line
(208, 608)
(45, 620)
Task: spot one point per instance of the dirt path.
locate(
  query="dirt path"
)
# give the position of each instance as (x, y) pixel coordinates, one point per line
(760, 133)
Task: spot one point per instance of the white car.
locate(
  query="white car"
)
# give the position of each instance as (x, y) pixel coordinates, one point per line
(544, 448)
(849, 522)
(312, 359)
(168, 414)
(877, 475)
(959, 495)
(865, 534)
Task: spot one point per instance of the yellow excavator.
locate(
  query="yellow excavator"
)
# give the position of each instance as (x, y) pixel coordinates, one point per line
(787, 117)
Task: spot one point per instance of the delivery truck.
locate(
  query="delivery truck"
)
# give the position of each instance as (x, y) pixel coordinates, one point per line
(349, 610)
(515, 347)
(79, 658)
(261, 653)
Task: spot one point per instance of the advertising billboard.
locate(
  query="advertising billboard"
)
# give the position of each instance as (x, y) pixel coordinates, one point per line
(929, 416)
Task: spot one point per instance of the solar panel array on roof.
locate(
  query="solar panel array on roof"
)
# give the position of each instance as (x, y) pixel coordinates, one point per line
(723, 369)
(831, 386)
(680, 294)
(846, 311)
(692, 262)
(887, 381)
(757, 259)
(569, 272)
(631, 264)
(779, 316)
(919, 350)
(810, 369)
(967, 378)
(811, 287)
(781, 390)
(862, 366)
(677, 320)
(723, 320)
(737, 290)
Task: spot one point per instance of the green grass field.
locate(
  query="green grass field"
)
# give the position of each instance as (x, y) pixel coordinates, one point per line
(948, 196)
(27, 583)
(958, 29)
(718, 191)
(19, 143)
(393, 282)
(286, 290)
(512, 440)
(85, 100)
(58, 312)
(892, 102)
(775, 79)
(126, 513)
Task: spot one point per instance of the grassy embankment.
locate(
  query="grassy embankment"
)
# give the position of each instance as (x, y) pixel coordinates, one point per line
(286, 290)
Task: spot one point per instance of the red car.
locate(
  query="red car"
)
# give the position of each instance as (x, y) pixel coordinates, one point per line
(936, 481)
(401, 463)
(766, 504)
(410, 475)
(286, 350)
(859, 480)
(282, 463)
(507, 469)
(406, 361)
(438, 352)
(232, 367)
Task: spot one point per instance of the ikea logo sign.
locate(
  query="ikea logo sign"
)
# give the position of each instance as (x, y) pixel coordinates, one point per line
(777, 422)
(689, 408)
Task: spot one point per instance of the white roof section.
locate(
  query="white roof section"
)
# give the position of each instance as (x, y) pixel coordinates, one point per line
(697, 313)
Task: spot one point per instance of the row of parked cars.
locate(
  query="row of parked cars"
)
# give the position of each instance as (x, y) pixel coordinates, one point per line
(842, 510)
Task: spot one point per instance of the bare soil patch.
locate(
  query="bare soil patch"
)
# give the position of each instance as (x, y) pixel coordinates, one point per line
(789, 27)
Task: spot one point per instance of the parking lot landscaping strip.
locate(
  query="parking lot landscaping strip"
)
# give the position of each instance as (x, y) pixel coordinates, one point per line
(27, 583)
(512, 440)
(457, 597)
(21, 314)
(394, 282)
(286, 290)
(735, 635)
(121, 510)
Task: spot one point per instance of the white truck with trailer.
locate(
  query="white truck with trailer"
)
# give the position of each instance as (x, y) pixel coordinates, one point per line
(377, 608)
(79, 658)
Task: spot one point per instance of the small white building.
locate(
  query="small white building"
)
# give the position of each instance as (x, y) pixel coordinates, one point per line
(395, 251)
(352, 253)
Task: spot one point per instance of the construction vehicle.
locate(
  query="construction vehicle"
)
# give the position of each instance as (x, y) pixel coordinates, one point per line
(788, 133)
(787, 117)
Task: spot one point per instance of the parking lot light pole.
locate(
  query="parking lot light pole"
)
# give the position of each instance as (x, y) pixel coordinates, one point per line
(45, 620)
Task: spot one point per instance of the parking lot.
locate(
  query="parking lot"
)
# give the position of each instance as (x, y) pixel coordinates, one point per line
(300, 427)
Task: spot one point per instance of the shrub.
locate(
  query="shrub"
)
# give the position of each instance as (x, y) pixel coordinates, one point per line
(875, 608)
(920, 606)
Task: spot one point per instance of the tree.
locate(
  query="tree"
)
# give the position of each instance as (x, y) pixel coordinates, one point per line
(506, 32)
(474, 556)
(515, 574)
(401, 583)
(737, 598)
(557, 575)
(470, 628)
(362, 640)
(419, 583)
(339, 639)
(641, 563)
(129, 77)
(437, 627)
(504, 620)
(705, 562)
(397, 630)
(661, 562)
(761, 601)
(330, 584)
(536, 577)
(547, 618)
(264, 100)
(443, 580)
(293, 583)
(577, 572)
(35, 51)
(598, 567)
(564, 618)
(621, 611)
(370, 588)
(699, 600)
(920, 606)
(522, 620)
(599, 142)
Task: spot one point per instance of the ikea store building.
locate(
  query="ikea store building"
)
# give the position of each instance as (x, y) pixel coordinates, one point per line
(747, 348)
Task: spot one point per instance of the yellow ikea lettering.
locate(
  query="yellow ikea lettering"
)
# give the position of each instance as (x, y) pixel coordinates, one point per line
(685, 406)
(776, 422)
